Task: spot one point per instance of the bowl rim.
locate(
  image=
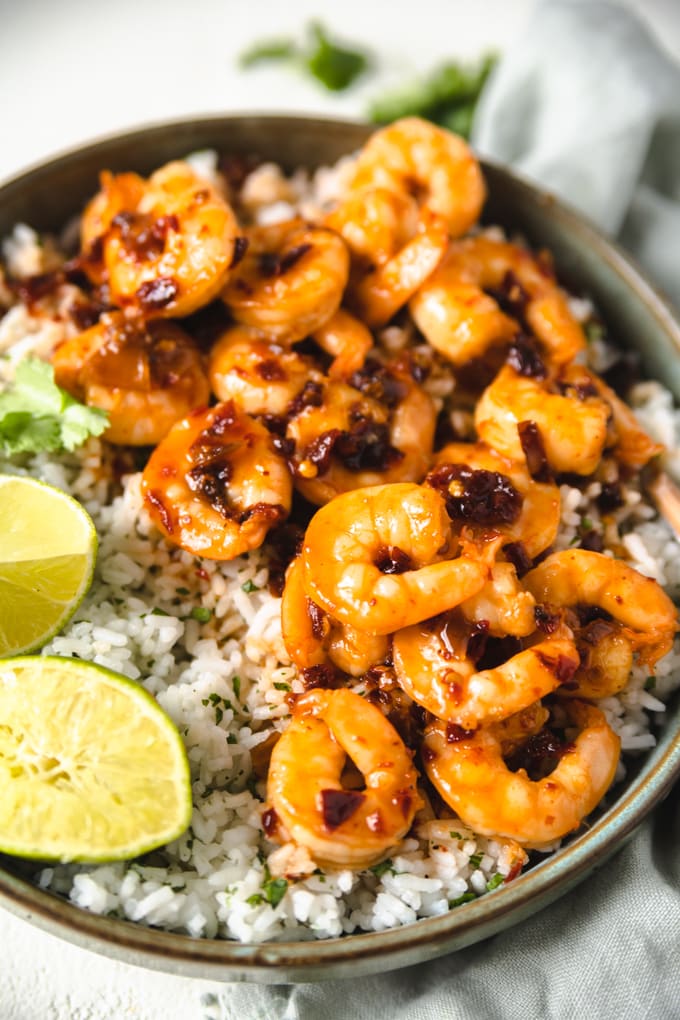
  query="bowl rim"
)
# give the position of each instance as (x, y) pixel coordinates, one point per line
(366, 952)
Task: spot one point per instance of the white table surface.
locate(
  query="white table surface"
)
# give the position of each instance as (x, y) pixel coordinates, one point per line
(76, 69)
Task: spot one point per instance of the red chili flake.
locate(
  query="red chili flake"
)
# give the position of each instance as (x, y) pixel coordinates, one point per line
(323, 676)
(611, 497)
(270, 370)
(517, 554)
(32, 288)
(477, 640)
(270, 822)
(592, 540)
(159, 506)
(390, 559)
(375, 380)
(561, 666)
(317, 619)
(511, 296)
(534, 451)
(311, 395)
(524, 357)
(159, 293)
(240, 248)
(339, 805)
(202, 573)
(483, 497)
(427, 753)
(455, 733)
(545, 620)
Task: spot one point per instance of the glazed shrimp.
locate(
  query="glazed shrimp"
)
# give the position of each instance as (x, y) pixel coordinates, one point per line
(449, 685)
(375, 223)
(503, 604)
(573, 428)
(346, 439)
(347, 340)
(632, 446)
(474, 780)
(167, 243)
(291, 280)
(215, 485)
(381, 292)
(576, 577)
(606, 656)
(414, 157)
(537, 520)
(341, 827)
(373, 558)
(144, 375)
(262, 378)
(312, 638)
(461, 321)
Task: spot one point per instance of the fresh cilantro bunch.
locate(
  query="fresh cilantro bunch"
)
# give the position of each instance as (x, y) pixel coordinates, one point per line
(37, 416)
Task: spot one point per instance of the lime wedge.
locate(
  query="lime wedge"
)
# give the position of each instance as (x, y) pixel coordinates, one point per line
(91, 768)
(48, 547)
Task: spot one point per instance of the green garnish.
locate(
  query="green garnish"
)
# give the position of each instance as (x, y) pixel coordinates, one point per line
(382, 867)
(248, 587)
(494, 882)
(650, 683)
(281, 686)
(157, 611)
(182, 591)
(255, 899)
(467, 897)
(448, 96)
(201, 613)
(236, 684)
(475, 861)
(594, 331)
(275, 890)
(455, 835)
(266, 50)
(335, 66)
(38, 416)
(231, 738)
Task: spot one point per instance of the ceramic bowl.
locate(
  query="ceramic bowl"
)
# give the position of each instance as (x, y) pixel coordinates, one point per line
(45, 197)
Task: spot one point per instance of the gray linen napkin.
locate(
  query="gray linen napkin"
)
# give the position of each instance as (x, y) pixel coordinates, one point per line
(589, 106)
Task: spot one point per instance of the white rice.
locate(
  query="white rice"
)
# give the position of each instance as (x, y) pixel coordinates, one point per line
(224, 681)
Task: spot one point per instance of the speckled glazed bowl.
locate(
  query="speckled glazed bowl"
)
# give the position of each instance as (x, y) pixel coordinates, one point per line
(46, 197)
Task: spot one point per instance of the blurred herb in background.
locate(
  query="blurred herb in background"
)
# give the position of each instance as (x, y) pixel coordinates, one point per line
(447, 96)
(335, 66)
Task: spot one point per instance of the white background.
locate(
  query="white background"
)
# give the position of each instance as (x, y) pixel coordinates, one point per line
(77, 69)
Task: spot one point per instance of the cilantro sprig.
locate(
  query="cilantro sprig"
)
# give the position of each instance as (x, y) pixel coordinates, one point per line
(335, 65)
(37, 416)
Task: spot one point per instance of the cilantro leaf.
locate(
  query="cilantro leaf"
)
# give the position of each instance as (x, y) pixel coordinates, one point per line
(275, 890)
(36, 415)
(266, 50)
(448, 96)
(333, 65)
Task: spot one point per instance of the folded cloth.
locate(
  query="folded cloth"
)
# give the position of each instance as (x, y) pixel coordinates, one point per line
(589, 106)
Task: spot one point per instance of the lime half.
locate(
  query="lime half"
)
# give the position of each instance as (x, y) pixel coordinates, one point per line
(48, 547)
(91, 767)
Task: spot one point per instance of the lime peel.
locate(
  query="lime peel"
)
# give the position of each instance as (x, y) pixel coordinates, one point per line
(91, 767)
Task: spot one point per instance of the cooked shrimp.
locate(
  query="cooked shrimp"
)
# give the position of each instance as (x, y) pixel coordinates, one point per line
(373, 558)
(606, 661)
(167, 243)
(312, 638)
(538, 518)
(473, 779)
(503, 604)
(632, 446)
(346, 439)
(461, 321)
(260, 377)
(414, 157)
(341, 827)
(347, 340)
(573, 429)
(290, 281)
(215, 485)
(375, 223)
(145, 375)
(576, 577)
(382, 291)
(449, 685)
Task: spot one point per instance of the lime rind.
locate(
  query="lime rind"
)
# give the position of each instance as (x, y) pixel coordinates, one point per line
(92, 769)
(48, 542)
